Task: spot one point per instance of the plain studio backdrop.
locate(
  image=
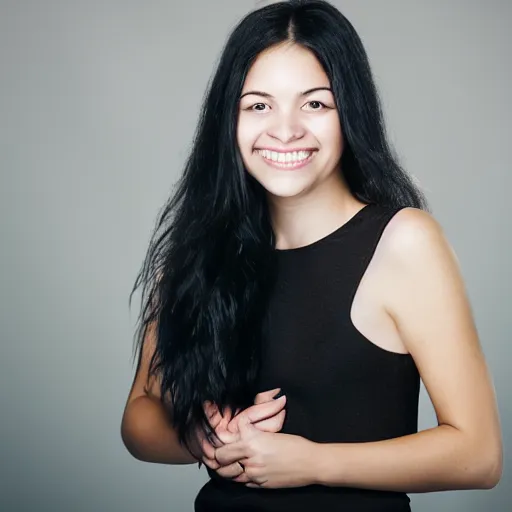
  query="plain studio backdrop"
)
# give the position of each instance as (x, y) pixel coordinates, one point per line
(99, 101)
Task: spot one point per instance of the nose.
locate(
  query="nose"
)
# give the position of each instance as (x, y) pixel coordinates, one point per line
(286, 128)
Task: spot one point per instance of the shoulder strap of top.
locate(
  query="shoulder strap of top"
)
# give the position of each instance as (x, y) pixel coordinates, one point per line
(364, 244)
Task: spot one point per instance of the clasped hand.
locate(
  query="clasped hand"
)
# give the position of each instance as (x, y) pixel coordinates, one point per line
(250, 449)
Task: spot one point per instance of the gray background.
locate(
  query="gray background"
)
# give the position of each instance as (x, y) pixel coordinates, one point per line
(99, 100)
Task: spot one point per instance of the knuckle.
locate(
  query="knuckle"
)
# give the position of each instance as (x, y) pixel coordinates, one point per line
(212, 464)
(206, 452)
(223, 472)
(233, 427)
(230, 471)
(258, 478)
(216, 442)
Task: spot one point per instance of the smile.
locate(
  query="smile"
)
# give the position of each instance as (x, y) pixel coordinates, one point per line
(286, 160)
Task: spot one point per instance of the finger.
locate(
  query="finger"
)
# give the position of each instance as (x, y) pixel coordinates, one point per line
(213, 439)
(217, 420)
(227, 414)
(243, 478)
(210, 408)
(208, 449)
(260, 413)
(230, 453)
(263, 411)
(266, 396)
(231, 470)
(246, 429)
(227, 437)
(274, 424)
(224, 422)
(211, 463)
(232, 426)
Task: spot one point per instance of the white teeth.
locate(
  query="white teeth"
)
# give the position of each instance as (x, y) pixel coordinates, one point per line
(291, 156)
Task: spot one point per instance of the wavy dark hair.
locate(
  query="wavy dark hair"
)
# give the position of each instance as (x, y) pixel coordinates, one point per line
(210, 267)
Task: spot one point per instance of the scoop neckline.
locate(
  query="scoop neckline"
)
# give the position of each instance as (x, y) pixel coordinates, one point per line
(346, 225)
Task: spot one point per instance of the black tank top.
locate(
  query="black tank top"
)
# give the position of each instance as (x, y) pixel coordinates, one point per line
(340, 387)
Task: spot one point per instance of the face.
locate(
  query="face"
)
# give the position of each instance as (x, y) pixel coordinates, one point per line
(288, 130)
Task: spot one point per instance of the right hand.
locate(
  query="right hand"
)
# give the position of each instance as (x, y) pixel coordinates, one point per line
(267, 414)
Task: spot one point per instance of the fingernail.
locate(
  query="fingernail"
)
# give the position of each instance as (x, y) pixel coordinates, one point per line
(279, 395)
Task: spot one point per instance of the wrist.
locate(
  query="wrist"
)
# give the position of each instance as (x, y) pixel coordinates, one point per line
(322, 463)
(314, 464)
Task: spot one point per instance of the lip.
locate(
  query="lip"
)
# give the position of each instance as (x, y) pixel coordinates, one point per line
(290, 150)
(283, 166)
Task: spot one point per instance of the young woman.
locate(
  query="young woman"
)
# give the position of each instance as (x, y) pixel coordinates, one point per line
(297, 255)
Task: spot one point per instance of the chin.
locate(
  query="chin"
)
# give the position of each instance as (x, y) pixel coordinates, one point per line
(283, 191)
(283, 185)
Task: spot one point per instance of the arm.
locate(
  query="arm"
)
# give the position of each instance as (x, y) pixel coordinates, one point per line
(425, 296)
(422, 291)
(146, 429)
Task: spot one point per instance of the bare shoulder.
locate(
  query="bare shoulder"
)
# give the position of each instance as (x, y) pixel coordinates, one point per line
(412, 229)
(422, 278)
(414, 239)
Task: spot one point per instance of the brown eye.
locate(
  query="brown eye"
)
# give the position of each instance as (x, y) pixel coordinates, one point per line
(260, 105)
(316, 105)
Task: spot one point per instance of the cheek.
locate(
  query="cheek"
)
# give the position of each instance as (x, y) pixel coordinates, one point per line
(245, 138)
(337, 141)
(330, 136)
(245, 142)
(249, 130)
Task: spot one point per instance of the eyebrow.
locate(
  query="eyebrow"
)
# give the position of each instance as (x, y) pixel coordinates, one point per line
(267, 95)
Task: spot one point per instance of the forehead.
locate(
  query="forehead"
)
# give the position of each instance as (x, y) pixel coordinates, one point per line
(287, 67)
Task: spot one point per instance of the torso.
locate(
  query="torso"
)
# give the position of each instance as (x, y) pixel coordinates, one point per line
(333, 348)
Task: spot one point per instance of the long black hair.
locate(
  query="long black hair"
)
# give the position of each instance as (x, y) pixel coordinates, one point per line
(210, 265)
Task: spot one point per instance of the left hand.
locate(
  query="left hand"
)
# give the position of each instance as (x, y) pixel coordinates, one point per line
(271, 460)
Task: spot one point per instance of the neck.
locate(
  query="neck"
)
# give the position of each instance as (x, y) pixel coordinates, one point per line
(303, 219)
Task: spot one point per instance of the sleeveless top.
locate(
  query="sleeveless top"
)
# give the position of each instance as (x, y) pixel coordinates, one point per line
(340, 387)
